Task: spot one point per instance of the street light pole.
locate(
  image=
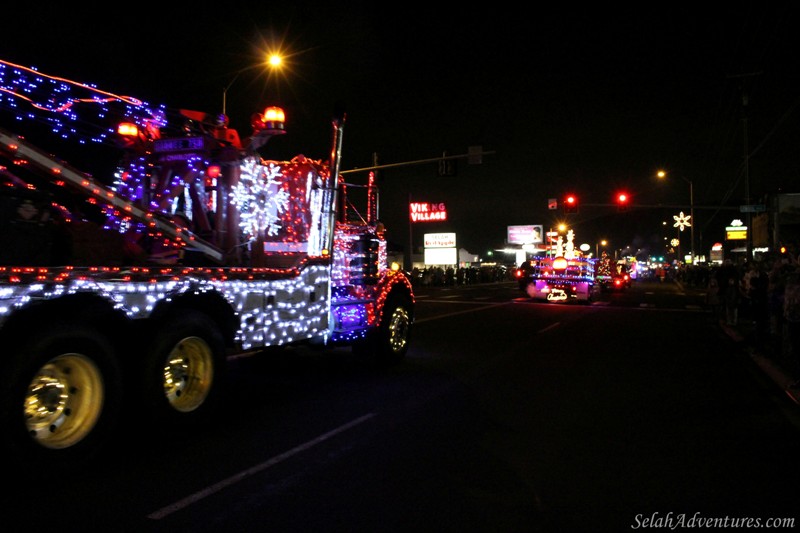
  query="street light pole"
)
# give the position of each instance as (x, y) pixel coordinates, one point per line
(597, 247)
(225, 93)
(691, 214)
(662, 174)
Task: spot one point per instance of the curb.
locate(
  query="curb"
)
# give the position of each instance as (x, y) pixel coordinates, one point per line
(777, 374)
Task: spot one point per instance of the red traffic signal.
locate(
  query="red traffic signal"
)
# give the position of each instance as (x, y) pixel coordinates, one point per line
(622, 199)
(570, 203)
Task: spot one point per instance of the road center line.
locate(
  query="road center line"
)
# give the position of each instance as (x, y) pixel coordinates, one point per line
(437, 317)
(548, 328)
(208, 491)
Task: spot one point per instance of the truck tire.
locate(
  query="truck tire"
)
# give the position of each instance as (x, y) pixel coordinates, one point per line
(60, 396)
(388, 343)
(183, 369)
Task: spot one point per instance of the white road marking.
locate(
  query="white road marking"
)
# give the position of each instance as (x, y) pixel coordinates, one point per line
(551, 326)
(208, 491)
(437, 317)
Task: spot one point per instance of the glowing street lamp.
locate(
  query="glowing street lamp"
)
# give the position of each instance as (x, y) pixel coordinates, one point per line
(597, 246)
(274, 62)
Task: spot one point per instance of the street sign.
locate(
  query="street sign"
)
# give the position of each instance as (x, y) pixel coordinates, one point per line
(447, 167)
(757, 208)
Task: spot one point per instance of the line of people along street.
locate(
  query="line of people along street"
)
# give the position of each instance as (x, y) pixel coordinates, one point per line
(759, 297)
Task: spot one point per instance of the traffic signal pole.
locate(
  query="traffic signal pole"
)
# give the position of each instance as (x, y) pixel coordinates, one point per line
(467, 156)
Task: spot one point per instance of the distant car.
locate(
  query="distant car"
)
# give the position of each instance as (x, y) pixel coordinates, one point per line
(523, 274)
(618, 280)
(621, 278)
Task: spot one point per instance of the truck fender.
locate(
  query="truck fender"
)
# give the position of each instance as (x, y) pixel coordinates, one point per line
(387, 342)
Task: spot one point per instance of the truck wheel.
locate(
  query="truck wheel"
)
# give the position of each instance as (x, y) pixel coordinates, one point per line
(388, 343)
(59, 398)
(183, 369)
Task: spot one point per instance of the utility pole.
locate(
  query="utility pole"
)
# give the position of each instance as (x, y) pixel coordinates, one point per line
(691, 217)
(748, 243)
(746, 162)
(409, 257)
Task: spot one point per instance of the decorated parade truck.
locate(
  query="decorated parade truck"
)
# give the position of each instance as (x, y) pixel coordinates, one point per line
(558, 279)
(562, 277)
(123, 294)
(611, 276)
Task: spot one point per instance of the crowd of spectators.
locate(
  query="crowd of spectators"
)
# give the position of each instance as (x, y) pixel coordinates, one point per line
(449, 276)
(759, 297)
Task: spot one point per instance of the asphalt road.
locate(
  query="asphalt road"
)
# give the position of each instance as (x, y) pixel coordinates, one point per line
(508, 415)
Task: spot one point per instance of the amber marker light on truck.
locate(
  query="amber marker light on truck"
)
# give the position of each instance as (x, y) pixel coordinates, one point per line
(559, 263)
(128, 129)
(273, 118)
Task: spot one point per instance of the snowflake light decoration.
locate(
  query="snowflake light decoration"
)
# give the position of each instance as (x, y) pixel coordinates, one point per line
(682, 221)
(260, 198)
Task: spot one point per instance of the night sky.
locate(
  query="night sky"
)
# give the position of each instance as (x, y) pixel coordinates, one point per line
(570, 100)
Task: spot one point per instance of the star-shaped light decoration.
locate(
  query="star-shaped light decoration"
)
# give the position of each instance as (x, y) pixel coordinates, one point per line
(682, 221)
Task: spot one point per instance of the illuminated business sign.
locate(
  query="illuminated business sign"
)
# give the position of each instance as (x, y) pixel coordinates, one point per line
(427, 212)
(440, 240)
(441, 256)
(737, 231)
(525, 234)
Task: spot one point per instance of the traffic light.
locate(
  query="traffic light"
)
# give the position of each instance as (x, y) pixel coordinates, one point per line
(623, 201)
(570, 203)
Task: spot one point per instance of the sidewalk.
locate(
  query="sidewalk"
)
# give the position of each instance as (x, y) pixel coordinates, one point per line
(771, 360)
